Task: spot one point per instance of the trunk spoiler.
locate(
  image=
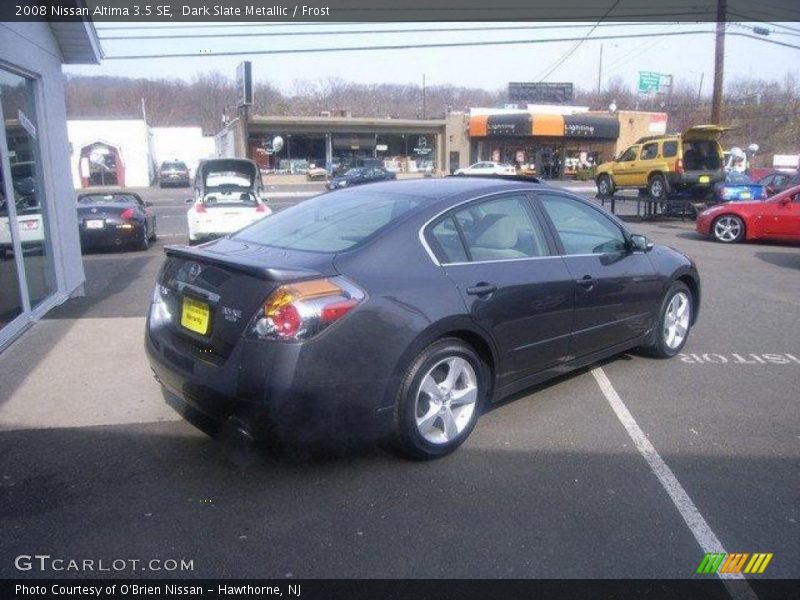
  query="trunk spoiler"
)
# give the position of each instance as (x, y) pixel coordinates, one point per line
(242, 265)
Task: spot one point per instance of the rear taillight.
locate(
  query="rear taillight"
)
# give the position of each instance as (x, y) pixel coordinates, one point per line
(298, 311)
(679, 166)
(261, 207)
(201, 208)
(128, 213)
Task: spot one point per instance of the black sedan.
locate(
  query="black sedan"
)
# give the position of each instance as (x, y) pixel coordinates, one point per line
(358, 176)
(115, 219)
(404, 309)
(174, 173)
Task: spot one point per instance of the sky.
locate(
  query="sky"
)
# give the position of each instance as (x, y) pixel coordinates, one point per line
(488, 67)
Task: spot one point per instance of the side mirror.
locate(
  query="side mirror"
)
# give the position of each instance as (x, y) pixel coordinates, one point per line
(786, 200)
(148, 204)
(189, 200)
(640, 243)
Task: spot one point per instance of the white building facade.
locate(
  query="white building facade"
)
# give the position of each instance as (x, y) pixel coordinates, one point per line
(40, 254)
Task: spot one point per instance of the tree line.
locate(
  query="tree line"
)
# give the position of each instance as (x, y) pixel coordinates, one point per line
(763, 111)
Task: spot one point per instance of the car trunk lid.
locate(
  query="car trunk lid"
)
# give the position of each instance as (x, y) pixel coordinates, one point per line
(212, 293)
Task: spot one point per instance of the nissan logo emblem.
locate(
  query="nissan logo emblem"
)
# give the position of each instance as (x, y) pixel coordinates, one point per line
(194, 271)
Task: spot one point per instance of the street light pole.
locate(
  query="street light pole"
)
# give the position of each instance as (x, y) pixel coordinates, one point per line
(600, 71)
(719, 63)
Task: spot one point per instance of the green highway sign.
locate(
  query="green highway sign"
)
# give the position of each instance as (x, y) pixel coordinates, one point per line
(649, 82)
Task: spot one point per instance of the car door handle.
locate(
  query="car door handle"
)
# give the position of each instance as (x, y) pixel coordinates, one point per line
(586, 282)
(481, 289)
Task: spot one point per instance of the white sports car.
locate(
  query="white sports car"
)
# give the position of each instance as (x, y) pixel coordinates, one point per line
(227, 198)
(487, 168)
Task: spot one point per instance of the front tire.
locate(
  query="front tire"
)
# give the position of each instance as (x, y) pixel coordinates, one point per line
(605, 186)
(439, 400)
(728, 229)
(674, 322)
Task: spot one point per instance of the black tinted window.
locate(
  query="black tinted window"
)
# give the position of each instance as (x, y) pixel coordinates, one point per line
(649, 151)
(670, 149)
(329, 223)
(582, 229)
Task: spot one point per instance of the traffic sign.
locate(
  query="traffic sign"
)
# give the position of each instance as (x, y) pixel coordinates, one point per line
(649, 82)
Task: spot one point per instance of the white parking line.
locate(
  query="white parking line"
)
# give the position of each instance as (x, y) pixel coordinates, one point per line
(709, 542)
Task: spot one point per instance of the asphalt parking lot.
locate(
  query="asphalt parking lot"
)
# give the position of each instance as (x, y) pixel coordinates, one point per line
(550, 485)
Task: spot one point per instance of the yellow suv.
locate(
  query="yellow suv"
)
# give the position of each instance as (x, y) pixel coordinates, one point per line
(658, 165)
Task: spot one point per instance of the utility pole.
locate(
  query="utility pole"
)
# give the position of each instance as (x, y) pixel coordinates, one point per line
(424, 98)
(700, 87)
(600, 71)
(719, 63)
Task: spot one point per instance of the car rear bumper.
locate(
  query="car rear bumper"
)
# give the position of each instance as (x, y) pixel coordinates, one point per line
(692, 179)
(110, 236)
(277, 390)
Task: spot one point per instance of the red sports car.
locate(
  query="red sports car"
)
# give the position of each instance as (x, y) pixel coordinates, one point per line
(775, 219)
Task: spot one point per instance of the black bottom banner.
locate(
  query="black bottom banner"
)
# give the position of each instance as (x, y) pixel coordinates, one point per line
(416, 589)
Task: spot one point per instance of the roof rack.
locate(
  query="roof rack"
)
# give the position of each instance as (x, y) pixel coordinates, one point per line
(522, 178)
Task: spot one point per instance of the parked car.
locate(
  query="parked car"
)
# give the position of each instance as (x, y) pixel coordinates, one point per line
(405, 309)
(487, 168)
(314, 172)
(116, 218)
(29, 224)
(777, 218)
(738, 186)
(659, 165)
(778, 181)
(174, 173)
(360, 175)
(227, 198)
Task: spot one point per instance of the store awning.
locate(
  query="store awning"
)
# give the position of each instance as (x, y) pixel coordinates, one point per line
(531, 124)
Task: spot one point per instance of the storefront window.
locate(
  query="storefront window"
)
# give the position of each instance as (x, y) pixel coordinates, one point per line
(10, 297)
(22, 133)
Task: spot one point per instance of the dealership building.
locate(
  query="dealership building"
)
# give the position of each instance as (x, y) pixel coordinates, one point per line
(37, 202)
(554, 140)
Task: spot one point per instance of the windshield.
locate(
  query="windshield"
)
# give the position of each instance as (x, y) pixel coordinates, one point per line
(107, 199)
(330, 223)
(354, 172)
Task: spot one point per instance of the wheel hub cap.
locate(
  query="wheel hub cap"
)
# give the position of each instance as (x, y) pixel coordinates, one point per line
(676, 320)
(446, 400)
(727, 229)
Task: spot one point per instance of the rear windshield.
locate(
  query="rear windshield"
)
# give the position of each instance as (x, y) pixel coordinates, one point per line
(737, 177)
(330, 223)
(178, 166)
(225, 198)
(107, 199)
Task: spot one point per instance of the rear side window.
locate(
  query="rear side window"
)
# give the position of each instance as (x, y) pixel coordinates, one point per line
(670, 149)
(649, 151)
(500, 229)
(330, 223)
(582, 229)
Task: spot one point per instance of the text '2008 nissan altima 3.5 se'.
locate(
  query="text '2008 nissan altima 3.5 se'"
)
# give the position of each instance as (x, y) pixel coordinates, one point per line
(404, 309)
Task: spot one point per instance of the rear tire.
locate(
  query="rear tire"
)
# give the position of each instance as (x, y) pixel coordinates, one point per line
(673, 323)
(144, 244)
(439, 400)
(728, 229)
(657, 187)
(605, 186)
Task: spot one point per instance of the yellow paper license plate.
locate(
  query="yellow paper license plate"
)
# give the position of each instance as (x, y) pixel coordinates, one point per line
(745, 194)
(704, 179)
(195, 316)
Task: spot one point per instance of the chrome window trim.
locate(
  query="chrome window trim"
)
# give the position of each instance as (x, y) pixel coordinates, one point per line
(432, 255)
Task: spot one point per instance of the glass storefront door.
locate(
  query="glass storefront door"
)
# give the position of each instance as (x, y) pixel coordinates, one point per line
(27, 270)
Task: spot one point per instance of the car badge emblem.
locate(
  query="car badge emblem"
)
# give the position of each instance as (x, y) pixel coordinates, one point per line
(194, 271)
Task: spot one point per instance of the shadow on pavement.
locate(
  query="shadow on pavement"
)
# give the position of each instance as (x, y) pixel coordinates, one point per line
(788, 260)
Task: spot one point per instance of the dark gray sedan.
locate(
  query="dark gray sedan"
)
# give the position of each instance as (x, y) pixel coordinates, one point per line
(402, 310)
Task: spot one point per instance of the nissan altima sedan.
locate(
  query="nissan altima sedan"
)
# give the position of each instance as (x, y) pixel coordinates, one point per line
(404, 309)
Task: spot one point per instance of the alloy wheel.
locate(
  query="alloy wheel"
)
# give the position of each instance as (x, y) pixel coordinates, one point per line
(446, 400)
(676, 320)
(727, 229)
(657, 188)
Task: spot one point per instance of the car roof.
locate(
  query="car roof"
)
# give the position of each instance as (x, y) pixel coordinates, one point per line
(439, 188)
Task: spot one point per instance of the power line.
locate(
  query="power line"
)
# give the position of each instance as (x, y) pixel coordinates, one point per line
(417, 46)
(578, 44)
(365, 31)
